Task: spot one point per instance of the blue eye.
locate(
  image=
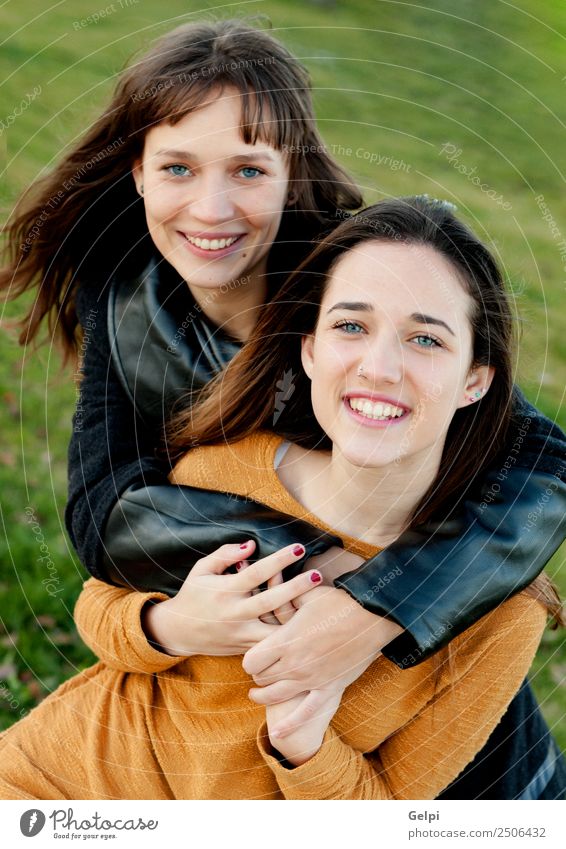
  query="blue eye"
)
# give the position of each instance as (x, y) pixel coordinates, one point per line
(248, 171)
(350, 327)
(427, 341)
(177, 170)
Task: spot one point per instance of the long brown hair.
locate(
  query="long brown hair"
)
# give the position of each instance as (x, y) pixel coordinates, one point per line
(85, 218)
(247, 395)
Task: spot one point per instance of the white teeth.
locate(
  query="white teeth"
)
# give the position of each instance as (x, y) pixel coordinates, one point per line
(211, 244)
(376, 410)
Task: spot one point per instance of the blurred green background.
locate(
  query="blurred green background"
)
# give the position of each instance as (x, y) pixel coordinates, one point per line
(465, 101)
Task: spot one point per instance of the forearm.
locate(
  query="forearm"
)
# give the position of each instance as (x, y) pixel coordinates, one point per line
(436, 583)
(336, 771)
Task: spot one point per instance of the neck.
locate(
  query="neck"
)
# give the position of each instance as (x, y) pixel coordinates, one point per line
(370, 504)
(234, 306)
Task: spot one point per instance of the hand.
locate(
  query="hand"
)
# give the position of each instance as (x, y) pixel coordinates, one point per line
(218, 614)
(331, 638)
(333, 563)
(304, 742)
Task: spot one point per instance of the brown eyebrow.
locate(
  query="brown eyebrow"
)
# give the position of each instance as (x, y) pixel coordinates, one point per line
(244, 157)
(354, 306)
(429, 319)
(362, 306)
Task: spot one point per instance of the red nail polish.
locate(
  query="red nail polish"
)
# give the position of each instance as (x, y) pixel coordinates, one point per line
(239, 565)
(244, 544)
(316, 577)
(299, 550)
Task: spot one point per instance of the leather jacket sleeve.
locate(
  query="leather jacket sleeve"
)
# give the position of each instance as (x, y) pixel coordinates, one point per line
(154, 535)
(436, 581)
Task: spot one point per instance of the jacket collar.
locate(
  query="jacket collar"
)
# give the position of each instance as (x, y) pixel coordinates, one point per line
(162, 345)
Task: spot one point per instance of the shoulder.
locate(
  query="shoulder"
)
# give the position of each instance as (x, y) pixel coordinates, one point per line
(239, 467)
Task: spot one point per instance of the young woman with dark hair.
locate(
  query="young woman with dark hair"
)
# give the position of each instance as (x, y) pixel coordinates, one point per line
(399, 333)
(153, 247)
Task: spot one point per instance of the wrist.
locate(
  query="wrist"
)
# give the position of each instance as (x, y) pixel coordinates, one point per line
(156, 620)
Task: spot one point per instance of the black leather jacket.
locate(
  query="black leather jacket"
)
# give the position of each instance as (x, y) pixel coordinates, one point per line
(130, 527)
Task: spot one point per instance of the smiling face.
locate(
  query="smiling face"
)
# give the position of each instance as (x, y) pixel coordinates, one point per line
(213, 203)
(390, 359)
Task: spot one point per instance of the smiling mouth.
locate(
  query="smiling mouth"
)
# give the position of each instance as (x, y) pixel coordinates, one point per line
(212, 244)
(376, 410)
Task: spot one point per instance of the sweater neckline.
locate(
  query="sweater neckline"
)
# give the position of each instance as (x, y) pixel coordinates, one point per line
(270, 444)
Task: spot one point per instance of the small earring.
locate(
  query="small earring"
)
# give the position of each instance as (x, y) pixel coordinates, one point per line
(141, 189)
(360, 372)
(476, 396)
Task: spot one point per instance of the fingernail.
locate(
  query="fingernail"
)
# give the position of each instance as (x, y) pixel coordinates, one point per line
(316, 577)
(299, 550)
(245, 544)
(239, 565)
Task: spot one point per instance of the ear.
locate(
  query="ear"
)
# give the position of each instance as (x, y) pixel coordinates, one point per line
(477, 385)
(307, 355)
(291, 198)
(137, 174)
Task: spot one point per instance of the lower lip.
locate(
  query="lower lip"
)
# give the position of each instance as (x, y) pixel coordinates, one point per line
(376, 423)
(219, 254)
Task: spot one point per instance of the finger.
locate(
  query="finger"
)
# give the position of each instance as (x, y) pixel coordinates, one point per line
(256, 632)
(275, 693)
(285, 611)
(269, 619)
(281, 595)
(309, 707)
(260, 572)
(262, 656)
(218, 561)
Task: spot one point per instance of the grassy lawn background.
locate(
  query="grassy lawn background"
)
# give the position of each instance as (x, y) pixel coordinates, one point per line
(411, 98)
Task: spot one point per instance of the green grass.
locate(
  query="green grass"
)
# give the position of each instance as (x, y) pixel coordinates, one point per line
(394, 81)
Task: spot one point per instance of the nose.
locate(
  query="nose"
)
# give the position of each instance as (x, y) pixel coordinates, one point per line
(382, 360)
(212, 202)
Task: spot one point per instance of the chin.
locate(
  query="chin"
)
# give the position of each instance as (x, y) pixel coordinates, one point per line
(365, 458)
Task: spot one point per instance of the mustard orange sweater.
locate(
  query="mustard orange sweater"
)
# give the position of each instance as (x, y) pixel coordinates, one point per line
(142, 724)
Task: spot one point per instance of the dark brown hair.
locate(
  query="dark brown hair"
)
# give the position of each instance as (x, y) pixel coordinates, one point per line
(85, 217)
(242, 399)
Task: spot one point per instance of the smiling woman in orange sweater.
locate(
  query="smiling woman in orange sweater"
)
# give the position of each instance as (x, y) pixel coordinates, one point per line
(400, 322)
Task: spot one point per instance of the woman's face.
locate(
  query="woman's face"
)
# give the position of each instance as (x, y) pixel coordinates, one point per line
(213, 203)
(400, 314)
